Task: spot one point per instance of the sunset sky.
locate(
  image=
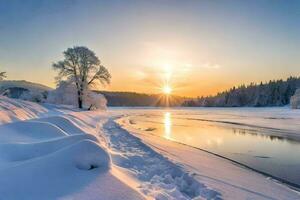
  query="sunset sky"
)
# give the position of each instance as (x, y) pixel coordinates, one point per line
(201, 47)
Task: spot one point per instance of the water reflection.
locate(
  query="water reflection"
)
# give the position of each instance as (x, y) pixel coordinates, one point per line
(214, 141)
(239, 131)
(262, 149)
(167, 125)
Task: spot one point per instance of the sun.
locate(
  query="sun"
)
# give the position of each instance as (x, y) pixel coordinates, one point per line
(167, 89)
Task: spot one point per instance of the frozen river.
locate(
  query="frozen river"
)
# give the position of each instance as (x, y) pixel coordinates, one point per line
(264, 139)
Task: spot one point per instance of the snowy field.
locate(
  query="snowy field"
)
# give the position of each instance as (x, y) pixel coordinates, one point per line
(49, 152)
(54, 152)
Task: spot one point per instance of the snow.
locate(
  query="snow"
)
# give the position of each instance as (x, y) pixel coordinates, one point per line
(12, 110)
(24, 90)
(55, 152)
(66, 93)
(4, 84)
(54, 157)
(64, 172)
(161, 179)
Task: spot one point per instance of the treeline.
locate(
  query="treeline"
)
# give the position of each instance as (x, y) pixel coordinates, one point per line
(139, 99)
(272, 93)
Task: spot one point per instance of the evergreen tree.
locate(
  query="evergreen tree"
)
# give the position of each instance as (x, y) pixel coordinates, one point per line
(273, 93)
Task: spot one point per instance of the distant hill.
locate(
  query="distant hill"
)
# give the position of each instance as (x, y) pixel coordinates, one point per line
(272, 93)
(21, 89)
(23, 84)
(139, 99)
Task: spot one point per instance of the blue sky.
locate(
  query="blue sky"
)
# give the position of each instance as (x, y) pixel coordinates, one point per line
(201, 46)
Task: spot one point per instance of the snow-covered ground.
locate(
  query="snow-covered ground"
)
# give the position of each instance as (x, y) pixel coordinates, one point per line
(55, 157)
(54, 152)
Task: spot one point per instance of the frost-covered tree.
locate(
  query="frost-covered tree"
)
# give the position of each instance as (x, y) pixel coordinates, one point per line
(82, 68)
(295, 100)
(66, 93)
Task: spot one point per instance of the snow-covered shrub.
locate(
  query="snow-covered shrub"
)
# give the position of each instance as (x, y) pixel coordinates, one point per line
(295, 100)
(66, 93)
(94, 101)
(34, 96)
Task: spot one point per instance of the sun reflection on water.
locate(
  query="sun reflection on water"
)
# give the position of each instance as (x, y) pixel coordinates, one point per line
(168, 124)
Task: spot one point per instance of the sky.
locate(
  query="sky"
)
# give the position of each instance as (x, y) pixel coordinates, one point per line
(195, 47)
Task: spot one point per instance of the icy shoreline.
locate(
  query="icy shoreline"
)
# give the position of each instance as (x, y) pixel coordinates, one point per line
(231, 180)
(292, 185)
(212, 168)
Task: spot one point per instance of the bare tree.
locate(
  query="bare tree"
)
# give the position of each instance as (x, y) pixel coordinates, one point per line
(2, 75)
(83, 68)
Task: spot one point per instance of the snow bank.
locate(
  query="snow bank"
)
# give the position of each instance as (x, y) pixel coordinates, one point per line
(23, 151)
(29, 131)
(64, 123)
(54, 175)
(54, 157)
(14, 110)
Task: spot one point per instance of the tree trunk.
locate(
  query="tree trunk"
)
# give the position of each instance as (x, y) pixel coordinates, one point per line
(79, 103)
(79, 100)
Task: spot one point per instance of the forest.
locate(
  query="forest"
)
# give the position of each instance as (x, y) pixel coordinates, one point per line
(272, 93)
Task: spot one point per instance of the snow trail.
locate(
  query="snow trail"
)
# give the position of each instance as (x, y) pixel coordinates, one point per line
(160, 178)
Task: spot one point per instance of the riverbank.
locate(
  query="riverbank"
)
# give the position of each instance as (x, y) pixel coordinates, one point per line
(230, 179)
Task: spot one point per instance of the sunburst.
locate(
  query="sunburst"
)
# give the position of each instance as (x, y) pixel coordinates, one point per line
(167, 89)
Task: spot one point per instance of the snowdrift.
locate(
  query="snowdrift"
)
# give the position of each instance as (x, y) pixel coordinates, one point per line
(55, 157)
(14, 110)
(48, 176)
